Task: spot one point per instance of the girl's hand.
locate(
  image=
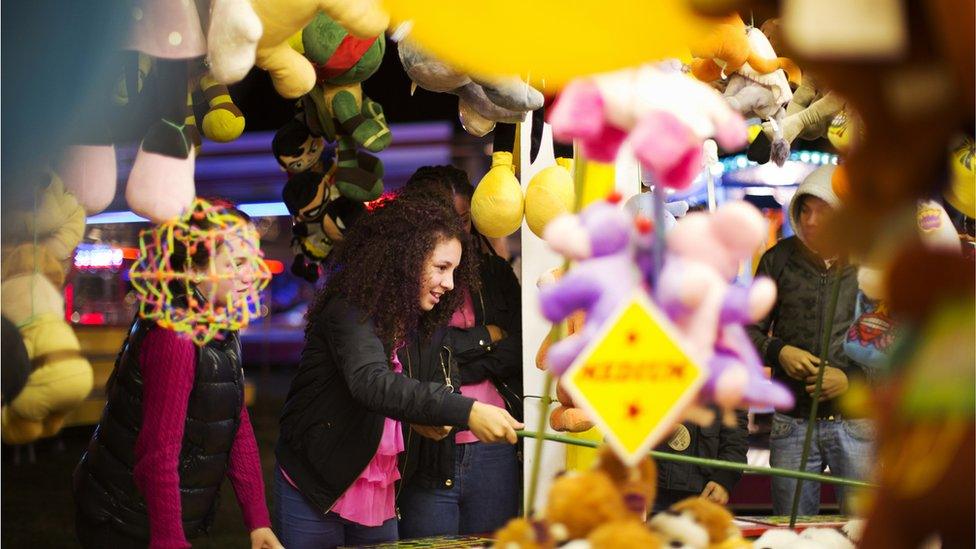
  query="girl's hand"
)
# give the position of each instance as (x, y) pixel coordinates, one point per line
(264, 538)
(493, 424)
(433, 432)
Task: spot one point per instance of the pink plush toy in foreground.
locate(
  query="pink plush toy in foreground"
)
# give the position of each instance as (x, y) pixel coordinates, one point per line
(666, 114)
(697, 292)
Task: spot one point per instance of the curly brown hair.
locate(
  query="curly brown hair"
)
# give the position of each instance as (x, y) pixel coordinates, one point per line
(379, 263)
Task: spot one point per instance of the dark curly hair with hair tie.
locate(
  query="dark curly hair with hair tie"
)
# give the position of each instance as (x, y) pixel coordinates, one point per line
(379, 264)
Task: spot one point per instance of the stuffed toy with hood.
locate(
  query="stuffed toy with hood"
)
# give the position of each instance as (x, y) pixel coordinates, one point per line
(61, 377)
(481, 102)
(666, 114)
(697, 290)
(244, 33)
(741, 59)
(336, 107)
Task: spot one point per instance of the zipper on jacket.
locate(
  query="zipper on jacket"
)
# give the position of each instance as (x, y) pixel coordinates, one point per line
(484, 312)
(406, 451)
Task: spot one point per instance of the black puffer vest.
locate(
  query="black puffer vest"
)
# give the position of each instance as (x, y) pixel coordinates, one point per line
(104, 485)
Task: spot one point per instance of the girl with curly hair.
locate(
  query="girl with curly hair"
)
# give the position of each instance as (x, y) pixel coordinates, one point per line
(389, 283)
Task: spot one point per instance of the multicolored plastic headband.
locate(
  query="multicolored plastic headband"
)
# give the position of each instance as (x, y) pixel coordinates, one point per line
(182, 297)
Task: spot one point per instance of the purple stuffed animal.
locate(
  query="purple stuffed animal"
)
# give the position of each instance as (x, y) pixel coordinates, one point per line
(601, 239)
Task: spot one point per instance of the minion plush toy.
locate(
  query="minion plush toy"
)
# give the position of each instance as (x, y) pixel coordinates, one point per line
(321, 215)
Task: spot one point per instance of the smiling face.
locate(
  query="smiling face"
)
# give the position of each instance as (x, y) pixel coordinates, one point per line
(235, 274)
(308, 154)
(438, 274)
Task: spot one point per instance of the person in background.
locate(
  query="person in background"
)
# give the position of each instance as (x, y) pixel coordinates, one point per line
(390, 283)
(175, 426)
(678, 481)
(804, 268)
(452, 483)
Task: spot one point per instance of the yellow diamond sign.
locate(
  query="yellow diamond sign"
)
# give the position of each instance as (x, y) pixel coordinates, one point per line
(635, 379)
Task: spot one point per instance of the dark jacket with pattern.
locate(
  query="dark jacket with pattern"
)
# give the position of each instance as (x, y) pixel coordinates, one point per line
(799, 316)
(717, 441)
(104, 485)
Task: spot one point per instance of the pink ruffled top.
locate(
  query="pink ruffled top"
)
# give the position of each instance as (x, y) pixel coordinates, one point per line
(371, 500)
(483, 391)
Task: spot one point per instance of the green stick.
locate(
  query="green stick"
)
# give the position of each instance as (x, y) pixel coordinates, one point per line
(815, 398)
(714, 463)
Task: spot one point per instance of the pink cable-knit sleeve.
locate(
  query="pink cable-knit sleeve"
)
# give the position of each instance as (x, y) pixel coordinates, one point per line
(168, 365)
(246, 477)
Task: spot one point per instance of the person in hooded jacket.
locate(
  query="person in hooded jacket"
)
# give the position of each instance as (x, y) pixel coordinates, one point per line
(804, 268)
(452, 483)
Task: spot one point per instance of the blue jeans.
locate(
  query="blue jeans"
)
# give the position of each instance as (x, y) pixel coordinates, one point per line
(483, 496)
(301, 526)
(845, 445)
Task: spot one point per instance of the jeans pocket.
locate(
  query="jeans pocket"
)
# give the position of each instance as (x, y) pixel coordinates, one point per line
(783, 426)
(860, 429)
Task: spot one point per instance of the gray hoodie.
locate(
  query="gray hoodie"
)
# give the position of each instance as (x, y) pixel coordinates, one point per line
(816, 184)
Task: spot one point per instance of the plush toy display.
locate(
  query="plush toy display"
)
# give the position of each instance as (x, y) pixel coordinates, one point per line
(642, 205)
(757, 84)
(567, 417)
(600, 239)
(337, 109)
(257, 32)
(697, 523)
(223, 121)
(666, 114)
(481, 103)
(696, 289)
(320, 217)
(498, 202)
(810, 538)
(61, 377)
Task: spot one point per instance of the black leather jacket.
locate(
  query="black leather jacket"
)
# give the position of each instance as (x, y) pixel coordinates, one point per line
(458, 356)
(333, 417)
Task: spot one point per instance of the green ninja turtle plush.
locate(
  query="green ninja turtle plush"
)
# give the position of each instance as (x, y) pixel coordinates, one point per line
(337, 109)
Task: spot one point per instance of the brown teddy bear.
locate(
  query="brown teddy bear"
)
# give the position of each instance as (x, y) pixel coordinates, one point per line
(698, 523)
(624, 534)
(637, 485)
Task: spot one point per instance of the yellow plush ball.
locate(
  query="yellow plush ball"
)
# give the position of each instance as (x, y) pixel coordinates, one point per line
(222, 125)
(497, 204)
(962, 190)
(549, 194)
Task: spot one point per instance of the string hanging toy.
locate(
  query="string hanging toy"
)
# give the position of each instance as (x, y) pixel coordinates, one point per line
(168, 291)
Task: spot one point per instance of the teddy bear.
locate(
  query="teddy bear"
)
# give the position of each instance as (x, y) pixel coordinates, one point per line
(481, 102)
(810, 538)
(600, 239)
(741, 59)
(696, 290)
(336, 107)
(637, 484)
(244, 33)
(624, 534)
(666, 114)
(61, 377)
(697, 523)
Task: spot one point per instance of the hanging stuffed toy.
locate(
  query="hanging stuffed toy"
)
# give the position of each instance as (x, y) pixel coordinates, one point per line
(666, 114)
(481, 102)
(320, 216)
(498, 203)
(297, 149)
(257, 32)
(600, 239)
(222, 122)
(695, 288)
(756, 83)
(337, 109)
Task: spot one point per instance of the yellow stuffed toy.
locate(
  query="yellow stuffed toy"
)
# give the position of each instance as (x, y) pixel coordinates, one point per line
(61, 377)
(550, 194)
